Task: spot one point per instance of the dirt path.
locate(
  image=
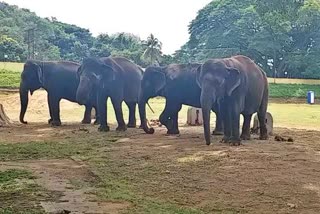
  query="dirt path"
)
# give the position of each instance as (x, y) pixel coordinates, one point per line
(257, 177)
(54, 175)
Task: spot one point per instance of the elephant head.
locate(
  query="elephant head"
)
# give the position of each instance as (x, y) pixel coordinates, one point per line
(31, 80)
(94, 72)
(152, 85)
(217, 81)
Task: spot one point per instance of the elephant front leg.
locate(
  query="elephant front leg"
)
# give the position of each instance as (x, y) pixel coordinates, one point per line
(102, 109)
(50, 111)
(235, 126)
(117, 105)
(97, 121)
(226, 115)
(54, 104)
(169, 117)
(219, 128)
(87, 115)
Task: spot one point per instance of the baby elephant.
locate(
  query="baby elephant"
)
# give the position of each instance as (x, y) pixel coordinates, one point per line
(114, 77)
(240, 87)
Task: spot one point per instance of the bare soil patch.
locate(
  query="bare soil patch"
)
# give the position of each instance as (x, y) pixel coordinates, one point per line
(257, 177)
(58, 176)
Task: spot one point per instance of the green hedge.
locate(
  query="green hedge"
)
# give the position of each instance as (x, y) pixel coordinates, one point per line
(292, 90)
(11, 79)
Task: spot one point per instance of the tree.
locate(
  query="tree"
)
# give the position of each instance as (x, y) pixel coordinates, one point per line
(152, 53)
(11, 50)
(282, 36)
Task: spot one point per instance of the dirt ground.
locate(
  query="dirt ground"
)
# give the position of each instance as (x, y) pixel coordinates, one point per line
(257, 177)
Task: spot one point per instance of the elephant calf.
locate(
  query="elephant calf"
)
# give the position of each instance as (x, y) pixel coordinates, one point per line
(60, 81)
(114, 77)
(177, 83)
(241, 87)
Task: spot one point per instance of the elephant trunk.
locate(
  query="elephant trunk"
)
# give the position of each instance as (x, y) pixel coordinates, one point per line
(142, 111)
(206, 105)
(24, 102)
(83, 91)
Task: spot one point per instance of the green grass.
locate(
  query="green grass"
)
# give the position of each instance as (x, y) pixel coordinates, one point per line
(38, 150)
(10, 78)
(19, 193)
(11, 66)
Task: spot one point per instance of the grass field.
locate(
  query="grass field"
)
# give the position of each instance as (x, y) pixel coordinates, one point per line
(286, 88)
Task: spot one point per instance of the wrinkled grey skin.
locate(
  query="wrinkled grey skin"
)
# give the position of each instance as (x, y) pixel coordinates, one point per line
(241, 87)
(177, 83)
(114, 77)
(59, 79)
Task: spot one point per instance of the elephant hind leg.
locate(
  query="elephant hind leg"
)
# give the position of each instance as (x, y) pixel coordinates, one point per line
(132, 114)
(245, 135)
(54, 105)
(262, 116)
(87, 115)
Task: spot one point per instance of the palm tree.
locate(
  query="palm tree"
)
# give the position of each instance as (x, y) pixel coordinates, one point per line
(152, 54)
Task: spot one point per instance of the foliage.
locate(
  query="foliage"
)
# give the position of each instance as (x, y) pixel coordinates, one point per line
(50, 39)
(152, 54)
(280, 35)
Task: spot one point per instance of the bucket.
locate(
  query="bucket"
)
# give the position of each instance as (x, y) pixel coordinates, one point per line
(310, 97)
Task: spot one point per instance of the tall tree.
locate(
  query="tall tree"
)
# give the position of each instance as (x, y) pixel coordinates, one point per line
(280, 35)
(152, 53)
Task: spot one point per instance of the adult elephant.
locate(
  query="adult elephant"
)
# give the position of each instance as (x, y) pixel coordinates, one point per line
(114, 77)
(177, 83)
(241, 87)
(60, 81)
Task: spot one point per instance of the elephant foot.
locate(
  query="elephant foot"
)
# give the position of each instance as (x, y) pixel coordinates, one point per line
(50, 121)
(96, 122)
(245, 137)
(121, 128)
(235, 142)
(217, 133)
(173, 132)
(55, 123)
(86, 121)
(104, 129)
(131, 125)
(263, 137)
(225, 139)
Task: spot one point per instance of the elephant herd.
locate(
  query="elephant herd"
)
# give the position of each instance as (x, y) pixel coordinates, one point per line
(229, 87)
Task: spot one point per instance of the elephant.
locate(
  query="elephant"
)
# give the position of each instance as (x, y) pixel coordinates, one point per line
(177, 83)
(114, 77)
(60, 81)
(240, 87)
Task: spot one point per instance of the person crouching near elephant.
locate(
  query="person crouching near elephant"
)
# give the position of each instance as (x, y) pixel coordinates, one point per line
(177, 84)
(114, 77)
(60, 81)
(240, 87)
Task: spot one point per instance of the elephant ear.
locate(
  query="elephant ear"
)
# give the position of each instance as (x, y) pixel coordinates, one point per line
(157, 79)
(198, 72)
(233, 80)
(109, 70)
(38, 71)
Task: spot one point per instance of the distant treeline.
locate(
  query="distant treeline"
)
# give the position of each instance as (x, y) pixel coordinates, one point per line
(282, 36)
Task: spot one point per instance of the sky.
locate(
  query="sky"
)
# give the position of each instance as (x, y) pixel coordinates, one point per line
(168, 20)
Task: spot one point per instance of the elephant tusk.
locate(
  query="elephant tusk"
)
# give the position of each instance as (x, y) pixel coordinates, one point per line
(150, 108)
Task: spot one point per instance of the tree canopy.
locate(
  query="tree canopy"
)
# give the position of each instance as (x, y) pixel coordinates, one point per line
(283, 36)
(25, 35)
